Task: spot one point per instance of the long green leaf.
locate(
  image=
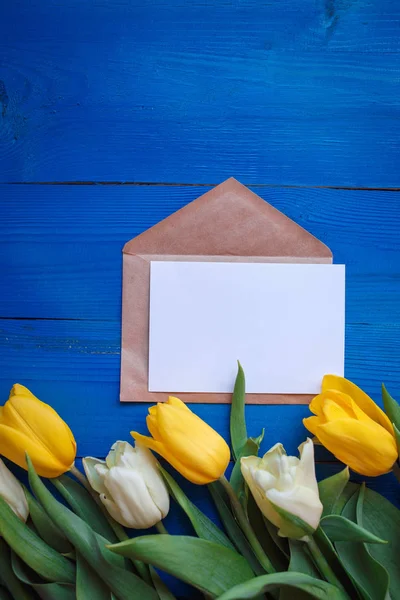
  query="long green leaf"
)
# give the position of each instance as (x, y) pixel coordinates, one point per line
(321, 590)
(84, 506)
(46, 591)
(330, 490)
(91, 545)
(340, 529)
(349, 490)
(211, 568)
(41, 557)
(370, 576)
(250, 448)
(45, 526)
(300, 562)
(16, 587)
(164, 593)
(392, 408)
(202, 525)
(88, 583)
(235, 533)
(378, 515)
(273, 547)
(238, 419)
(329, 552)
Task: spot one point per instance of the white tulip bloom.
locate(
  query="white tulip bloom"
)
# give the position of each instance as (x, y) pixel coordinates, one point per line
(12, 492)
(285, 483)
(130, 485)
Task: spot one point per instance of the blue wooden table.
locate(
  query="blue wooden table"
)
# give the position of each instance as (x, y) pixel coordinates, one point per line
(115, 113)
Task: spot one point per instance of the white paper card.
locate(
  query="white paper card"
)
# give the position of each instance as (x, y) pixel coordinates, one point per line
(284, 322)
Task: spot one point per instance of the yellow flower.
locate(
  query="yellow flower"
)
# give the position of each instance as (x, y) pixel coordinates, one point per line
(190, 445)
(351, 426)
(28, 425)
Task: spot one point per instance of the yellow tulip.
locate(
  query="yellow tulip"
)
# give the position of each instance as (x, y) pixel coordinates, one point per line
(190, 445)
(351, 426)
(28, 425)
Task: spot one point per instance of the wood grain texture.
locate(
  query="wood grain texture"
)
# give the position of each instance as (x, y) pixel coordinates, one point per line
(60, 248)
(289, 92)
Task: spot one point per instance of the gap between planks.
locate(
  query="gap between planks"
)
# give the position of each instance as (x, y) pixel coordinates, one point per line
(173, 184)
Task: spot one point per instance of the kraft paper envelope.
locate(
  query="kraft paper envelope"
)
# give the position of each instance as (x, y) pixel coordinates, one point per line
(228, 223)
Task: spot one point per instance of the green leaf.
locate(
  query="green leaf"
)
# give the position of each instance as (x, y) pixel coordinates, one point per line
(46, 591)
(88, 583)
(161, 588)
(234, 531)
(321, 590)
(392, 408)
(84, 506)
(328, 550)
(250, 448)
(45, 526)
(378, 515)
(300, 562)
(5, 595)
(340, 529)
(211, 568)
(330, 490)
(16, 587)
(350, 489)
(41, 557)
(238, 419)
(90, 545)
(202, 525)
(370, 577)
(273, 547)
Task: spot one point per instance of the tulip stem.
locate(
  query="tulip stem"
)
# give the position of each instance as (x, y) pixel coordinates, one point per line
(322, 564)
(246, 527)
(161, 528)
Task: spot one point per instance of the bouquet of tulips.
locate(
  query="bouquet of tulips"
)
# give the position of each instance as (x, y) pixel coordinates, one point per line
(280, 533)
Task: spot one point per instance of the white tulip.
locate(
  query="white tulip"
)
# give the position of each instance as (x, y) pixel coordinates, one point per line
(12, 492)
(281, 483)
(130, 485)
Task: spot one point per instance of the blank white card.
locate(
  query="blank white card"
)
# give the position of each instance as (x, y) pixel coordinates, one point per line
(284, 322)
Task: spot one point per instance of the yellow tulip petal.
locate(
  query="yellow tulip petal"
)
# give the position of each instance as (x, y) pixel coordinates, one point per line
(312, 424)
(332, 411)
(186, 471)
(20, 390)
(15, 444)
(173, 401)
(360, 398)
(151, 422)
(366, 448)
(193, 442)
(42, 424)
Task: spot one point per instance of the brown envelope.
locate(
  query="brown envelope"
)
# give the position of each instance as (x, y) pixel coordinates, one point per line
(228, 223)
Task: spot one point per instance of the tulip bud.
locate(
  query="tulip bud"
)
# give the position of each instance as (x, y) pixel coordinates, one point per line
(11, 491)
(285, 485)
(29, 426)
(191, 446)
(351, 426)
(130, 485)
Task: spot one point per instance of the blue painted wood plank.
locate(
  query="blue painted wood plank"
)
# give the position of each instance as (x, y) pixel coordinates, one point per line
(295, 92)
(60, 248)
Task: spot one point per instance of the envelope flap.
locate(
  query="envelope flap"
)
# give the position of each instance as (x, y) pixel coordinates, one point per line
(228, 220)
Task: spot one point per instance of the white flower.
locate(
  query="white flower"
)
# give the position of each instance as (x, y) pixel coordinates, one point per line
(285, 484)
(130, 485)
(12, 492)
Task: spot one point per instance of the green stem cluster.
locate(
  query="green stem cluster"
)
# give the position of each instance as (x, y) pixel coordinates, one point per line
(246, 527)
